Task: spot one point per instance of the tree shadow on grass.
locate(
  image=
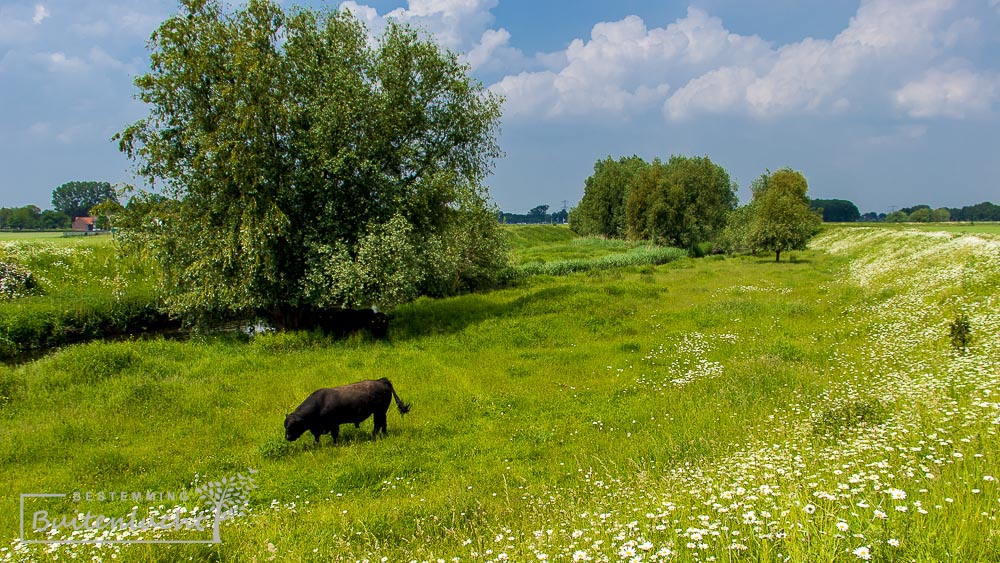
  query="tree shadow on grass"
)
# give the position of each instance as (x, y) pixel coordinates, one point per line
(426, 317)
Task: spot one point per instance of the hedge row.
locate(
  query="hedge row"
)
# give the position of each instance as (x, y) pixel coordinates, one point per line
(36, 325)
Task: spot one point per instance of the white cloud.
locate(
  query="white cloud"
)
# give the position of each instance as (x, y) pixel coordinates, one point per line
(717, 91)
(492, 42)
(59, 62)
(74, 133)
(12, 29)
(955, 94)
(456, 24)
(41, 12)
(101, 58)
(39, 129)
(962, 31)
(91, 29)
(626, 68)
(140, 24)
(815, 75)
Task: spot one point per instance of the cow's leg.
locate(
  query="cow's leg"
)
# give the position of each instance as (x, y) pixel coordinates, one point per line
(379, 424)
(316, 434)
(334, 432)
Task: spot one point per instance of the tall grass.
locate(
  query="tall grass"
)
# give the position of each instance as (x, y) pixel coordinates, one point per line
(82, 288)
(723, 409)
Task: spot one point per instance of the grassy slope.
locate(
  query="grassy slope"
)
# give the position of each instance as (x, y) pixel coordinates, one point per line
(557, 414)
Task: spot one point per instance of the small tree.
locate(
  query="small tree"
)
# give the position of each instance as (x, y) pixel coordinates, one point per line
(922, 215)
(782, 219)
(960, 332)
(76, 198)
(941, 215)
(601, 211)
(538, 214)
(682, 202)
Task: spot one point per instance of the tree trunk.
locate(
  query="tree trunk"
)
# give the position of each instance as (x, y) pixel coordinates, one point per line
(777, 255)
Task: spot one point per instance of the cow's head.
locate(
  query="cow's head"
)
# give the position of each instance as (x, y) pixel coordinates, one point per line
(294, 427)
(379, 325)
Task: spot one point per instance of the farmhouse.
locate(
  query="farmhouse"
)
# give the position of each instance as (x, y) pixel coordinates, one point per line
(83, 223)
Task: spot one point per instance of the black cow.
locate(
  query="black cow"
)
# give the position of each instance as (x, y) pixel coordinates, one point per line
(341, 322)
(326, 409)
(334, 321)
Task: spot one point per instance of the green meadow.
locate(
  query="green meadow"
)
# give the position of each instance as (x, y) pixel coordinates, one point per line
(712, 409)
(81, 288)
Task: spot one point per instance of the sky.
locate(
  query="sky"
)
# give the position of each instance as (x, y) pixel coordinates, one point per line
(887, 103)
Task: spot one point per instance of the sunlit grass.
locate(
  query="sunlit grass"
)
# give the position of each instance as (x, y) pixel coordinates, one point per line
(724, 408)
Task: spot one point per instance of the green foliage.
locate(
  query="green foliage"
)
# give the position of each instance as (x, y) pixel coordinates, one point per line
(11, 386)
(681, 203)
(735, 235)
(781, 217)
(897, 217)
(627, 411)
(922, 215)
(940, 215)
(78, 290)
(76, 198)
(845, 417)
(601, 211)
(15, 281)
(106, 213)
(639, 256)
(985, 211)
(306, 166)
(836, 210)
(960, 332)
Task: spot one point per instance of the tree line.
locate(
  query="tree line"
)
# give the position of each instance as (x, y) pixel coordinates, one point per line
(69, 201)
(691, 203)
(538, 215)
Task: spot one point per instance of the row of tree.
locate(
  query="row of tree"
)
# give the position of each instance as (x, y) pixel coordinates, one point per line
(843, 211)
(689, 201)
(536, 216)
(32, 217)
(985, 211)
(69, 201)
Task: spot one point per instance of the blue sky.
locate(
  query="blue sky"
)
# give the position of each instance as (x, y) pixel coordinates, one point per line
(888, 103)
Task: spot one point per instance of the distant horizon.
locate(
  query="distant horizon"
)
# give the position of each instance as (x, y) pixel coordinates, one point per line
(885, 103)
(555, 209)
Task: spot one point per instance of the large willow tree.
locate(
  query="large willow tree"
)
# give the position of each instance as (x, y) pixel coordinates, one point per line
(306, 165)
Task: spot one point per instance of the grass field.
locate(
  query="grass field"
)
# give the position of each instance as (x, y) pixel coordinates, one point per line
(80, 288)
(712, 409)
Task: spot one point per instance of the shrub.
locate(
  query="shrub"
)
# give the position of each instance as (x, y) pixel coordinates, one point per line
(15, 281)
(960, 332)
(845, 417)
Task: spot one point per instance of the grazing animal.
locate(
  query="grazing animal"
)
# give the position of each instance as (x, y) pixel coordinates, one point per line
(341, 322)
(334, 321)
(326, 409)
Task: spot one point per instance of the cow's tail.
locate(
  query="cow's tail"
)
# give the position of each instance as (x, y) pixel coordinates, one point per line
(403, 407)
